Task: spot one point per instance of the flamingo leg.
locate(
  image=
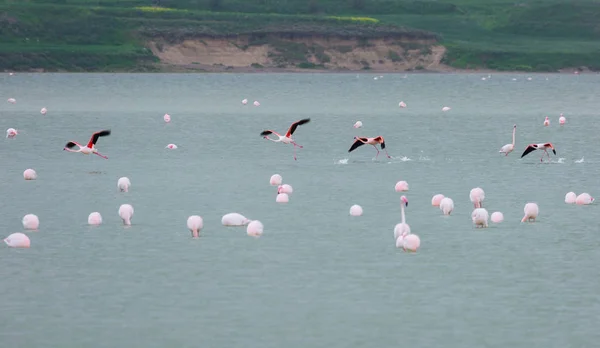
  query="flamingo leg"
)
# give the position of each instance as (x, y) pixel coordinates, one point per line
(376, 149)
(548, 156)
(387, 154)
(295, 159)
(300, 146)
(96, 153)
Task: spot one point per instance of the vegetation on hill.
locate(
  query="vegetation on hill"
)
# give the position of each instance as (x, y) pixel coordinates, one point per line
(109, 35)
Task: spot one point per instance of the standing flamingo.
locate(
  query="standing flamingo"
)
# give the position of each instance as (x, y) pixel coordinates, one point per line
(477, 195)
(90, 147)
(371, 141)
(402, 229)
(287, 138)
(508, 148)
(480, 217)
(541, 146)
(531, 211)
(546, 122)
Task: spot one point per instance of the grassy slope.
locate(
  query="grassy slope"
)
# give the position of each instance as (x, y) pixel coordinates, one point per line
(89, 35)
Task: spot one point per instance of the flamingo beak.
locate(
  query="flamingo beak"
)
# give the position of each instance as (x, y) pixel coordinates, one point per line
(406, 204)
(554, 151)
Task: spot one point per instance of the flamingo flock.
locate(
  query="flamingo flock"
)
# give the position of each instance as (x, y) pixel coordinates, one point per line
(404, 238)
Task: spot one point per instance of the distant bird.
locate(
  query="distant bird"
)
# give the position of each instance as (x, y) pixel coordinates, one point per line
(562, 120)
(371, 141)
(541, 146)
(90, 147)
(287, 138)
(477, 195)
(508, 148)
(546, 122)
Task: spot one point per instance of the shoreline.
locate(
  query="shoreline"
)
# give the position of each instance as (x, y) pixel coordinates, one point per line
(197, 69)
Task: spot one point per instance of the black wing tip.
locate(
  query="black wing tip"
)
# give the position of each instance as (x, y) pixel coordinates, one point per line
(70, 145)
(104, 132)
(265, 133)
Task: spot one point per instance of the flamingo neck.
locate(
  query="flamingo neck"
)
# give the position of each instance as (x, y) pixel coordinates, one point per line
(514, 131)
(402, 212)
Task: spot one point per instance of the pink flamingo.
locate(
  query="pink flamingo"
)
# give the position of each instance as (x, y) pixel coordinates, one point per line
(90, 147)
(371, 141)
(287, 138)
(541, 146)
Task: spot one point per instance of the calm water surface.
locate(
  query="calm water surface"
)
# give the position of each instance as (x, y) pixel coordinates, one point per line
(317, 277)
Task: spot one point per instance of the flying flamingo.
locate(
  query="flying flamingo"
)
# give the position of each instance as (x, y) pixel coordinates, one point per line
(287, 138)
(371, 141)
(541, 146)
(90, 147)
(508, 148)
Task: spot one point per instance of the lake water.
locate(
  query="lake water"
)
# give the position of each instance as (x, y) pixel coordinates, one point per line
(317, 277)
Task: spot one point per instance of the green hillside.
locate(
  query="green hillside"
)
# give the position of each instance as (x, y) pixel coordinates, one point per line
(110, 35)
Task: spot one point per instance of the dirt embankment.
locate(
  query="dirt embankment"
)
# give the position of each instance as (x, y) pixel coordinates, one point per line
(311, 54)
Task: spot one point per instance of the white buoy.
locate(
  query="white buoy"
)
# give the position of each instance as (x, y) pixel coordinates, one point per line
(401, 186)
(255, 229)
(234, 219)
(17, 240)
(497, 217)
(29, 174)
(282, 198)
(31, 222)
(95, 219)
(275, 180)
(356, 210)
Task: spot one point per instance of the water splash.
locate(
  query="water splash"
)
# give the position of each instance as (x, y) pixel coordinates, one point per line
(341, 161)
(580, 161)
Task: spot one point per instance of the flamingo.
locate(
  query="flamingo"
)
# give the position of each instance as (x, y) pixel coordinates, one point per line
(541, 146)
(480, 217)
(402, 229)
(90, 147)
(371, 141)
(531, 211)
(546, 122)
(477, 195)
(287, 138)
(562, 120)
(446, 205)
(508, 148)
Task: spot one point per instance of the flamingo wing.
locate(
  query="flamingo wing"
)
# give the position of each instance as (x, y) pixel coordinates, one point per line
(71, 144)
(265, 133)
(528, 150)
(357, 143)
(549, 145)
(295, 125)
(97, 135)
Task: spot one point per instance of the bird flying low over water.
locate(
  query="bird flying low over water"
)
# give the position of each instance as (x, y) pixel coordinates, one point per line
(543, 146)
(287, 138)
(90, 147)
(359, 141)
